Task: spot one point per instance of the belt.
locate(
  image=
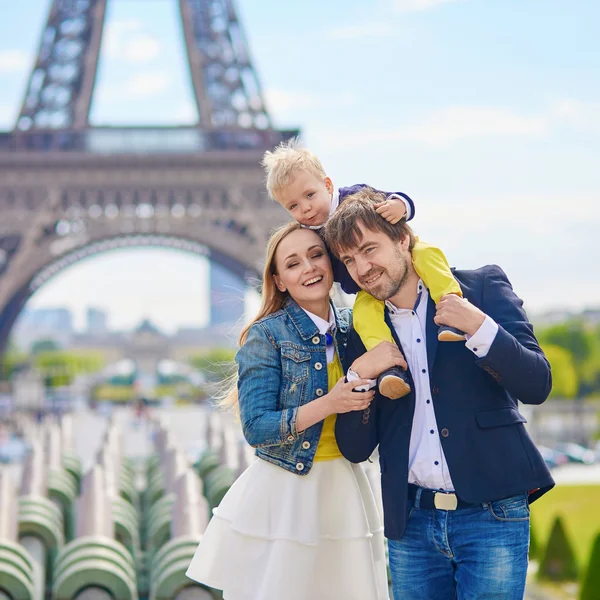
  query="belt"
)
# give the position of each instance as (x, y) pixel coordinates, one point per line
(425, 498)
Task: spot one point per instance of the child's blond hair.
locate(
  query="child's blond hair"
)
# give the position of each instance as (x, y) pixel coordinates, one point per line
(287, 158)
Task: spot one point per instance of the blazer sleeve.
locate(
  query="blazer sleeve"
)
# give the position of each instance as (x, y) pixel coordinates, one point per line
(515, 359)
(356, 435)
(259, 383)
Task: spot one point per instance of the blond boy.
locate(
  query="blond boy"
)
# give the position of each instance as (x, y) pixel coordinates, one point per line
(296, 179)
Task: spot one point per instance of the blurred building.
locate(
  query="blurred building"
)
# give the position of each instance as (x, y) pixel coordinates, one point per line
(43, 324)
(96, 321)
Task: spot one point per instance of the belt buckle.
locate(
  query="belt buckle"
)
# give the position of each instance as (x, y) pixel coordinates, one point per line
(445, 501)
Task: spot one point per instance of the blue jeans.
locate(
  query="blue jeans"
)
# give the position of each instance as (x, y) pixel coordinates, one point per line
(467, 554)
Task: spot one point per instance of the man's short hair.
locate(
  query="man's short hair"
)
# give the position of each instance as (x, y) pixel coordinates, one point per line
(342, 230)
(282, 163)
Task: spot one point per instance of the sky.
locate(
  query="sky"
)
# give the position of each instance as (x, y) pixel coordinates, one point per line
(486, 113)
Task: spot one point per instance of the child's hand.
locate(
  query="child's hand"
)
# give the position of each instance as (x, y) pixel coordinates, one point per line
(392, 210)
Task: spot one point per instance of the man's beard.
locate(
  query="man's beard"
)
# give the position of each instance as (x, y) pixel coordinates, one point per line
(396, 278)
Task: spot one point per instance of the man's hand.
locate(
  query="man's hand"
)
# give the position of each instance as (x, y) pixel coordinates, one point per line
(458, 312)
(377, 360)
(392, 210)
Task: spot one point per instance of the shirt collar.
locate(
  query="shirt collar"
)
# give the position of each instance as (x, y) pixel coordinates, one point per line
(322, 325)
(422, 295)
(335, 202)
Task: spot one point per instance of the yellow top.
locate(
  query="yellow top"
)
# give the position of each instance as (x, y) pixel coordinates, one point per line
(328, 448)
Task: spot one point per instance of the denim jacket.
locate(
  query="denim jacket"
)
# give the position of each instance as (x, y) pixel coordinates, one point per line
(282, 366)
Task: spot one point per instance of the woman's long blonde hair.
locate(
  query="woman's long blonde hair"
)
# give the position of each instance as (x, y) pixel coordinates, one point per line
(272, 300)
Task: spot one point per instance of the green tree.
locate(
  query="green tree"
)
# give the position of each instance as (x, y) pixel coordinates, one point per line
(216, 364)
(59, 368)
(44, 346)
(11, 361)
(590, 586)
(558, 561)
(565, 382)
(573, 336)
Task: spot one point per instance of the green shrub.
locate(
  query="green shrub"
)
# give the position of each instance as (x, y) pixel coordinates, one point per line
(590, 586)
(534, 545)
(558, 561)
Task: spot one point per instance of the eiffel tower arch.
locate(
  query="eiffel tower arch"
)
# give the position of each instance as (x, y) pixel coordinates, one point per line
(69, 190)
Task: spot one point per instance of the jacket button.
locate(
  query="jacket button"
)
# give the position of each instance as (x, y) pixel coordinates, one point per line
(299, 466)
(319, 392)
(318, 366)
(435, 390)
(290, 438)
(306, 445)
(445, 432)
(316, 339)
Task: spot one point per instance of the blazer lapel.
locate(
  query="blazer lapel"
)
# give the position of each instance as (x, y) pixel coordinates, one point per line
(431, 332)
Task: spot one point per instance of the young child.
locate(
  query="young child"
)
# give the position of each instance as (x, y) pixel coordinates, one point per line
(296, 179)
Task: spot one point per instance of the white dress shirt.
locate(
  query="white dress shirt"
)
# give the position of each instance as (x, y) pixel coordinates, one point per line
(427, 466)
(324, 326)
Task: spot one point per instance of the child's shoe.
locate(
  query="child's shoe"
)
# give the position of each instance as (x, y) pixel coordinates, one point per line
(393, 383)
(450, 334)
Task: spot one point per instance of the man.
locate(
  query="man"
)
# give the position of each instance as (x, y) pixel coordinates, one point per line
(458, 469)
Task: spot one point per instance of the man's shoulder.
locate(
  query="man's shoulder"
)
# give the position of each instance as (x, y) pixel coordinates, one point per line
(474, 276)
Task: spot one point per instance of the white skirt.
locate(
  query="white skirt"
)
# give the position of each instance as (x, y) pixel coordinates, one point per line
(278, 536)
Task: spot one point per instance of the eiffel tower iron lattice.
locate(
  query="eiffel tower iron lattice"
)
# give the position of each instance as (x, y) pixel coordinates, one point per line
(70, 190)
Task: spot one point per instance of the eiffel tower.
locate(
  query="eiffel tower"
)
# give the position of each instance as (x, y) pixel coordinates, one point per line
(69, 190)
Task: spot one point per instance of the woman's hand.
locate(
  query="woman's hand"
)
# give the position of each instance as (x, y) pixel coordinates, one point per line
(379, 359)
(342, 398)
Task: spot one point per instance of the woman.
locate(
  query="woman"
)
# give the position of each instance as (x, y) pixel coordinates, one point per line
(301, 522)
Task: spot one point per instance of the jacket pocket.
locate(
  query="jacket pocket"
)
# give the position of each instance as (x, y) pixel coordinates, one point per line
(295, 363)
(499, 417)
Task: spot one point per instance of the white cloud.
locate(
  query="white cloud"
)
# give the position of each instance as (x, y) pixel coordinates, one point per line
(449, 125)
(355, 32)
(285, 103)
(13, 60)
(143, 85)
(418, 5)
(126, 41)
(444, 127)
(7, 116)
(185, 113)
(282, 100)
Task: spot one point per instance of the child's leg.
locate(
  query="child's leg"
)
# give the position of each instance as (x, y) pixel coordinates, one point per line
(370, 325)
(433, 268)
(369, 322)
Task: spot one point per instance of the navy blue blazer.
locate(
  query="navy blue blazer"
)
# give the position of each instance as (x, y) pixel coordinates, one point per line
(340, 273)
(489, 452)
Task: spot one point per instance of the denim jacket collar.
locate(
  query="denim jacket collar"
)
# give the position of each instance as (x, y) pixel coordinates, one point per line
(304, 324)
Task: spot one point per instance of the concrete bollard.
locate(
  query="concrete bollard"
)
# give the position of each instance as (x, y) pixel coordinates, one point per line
(70, 461)
(161, 512)
(125, 515)
(123, 470)
(62, 486)
(40, 519)
(190, 518)
(94, 561)
(17, 569)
